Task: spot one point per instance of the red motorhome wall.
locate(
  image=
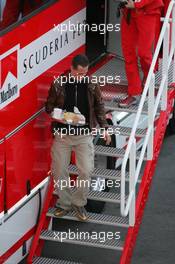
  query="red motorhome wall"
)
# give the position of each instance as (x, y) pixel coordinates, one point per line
(28, 156)
(28, 150)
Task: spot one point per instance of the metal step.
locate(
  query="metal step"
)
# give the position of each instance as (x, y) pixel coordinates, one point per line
(94, 218)
(108, 244)
(117, 95)
(101, 173)
(101, 196)
(105, 196)
(112, 152)
(126, 131)
(42, 260)
(113, 106)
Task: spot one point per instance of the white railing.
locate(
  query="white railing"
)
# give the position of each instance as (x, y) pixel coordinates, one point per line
(154, 101)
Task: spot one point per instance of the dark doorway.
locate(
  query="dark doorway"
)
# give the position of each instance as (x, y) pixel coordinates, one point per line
(95, 41)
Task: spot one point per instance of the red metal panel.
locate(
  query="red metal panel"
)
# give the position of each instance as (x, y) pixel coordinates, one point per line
(27, 151)
(27, 158)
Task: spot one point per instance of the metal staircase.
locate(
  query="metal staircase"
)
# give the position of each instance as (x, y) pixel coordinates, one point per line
(102, 173)
(157, 106)
(41, 260)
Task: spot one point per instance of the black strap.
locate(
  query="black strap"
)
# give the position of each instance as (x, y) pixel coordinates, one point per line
(39, 207)
(128, 16)
(28, 187)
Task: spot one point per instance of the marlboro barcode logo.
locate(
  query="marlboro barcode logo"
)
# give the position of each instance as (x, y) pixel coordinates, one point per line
(9, 89)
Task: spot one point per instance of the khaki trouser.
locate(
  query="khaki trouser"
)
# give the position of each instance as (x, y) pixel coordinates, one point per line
(61, 155)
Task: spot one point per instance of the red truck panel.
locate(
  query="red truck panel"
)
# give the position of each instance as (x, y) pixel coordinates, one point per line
(28, 149)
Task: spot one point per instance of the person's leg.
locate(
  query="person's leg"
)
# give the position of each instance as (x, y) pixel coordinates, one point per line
(129, 38)
(84, 151)
(61, 155)
(146, 25)
(157, 33)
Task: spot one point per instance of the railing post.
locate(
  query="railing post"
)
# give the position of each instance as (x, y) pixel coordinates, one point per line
(132, 171)
(166, 48)
(173, 40)
(151, 101)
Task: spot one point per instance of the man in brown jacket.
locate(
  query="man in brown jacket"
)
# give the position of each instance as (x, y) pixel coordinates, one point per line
(86, 96)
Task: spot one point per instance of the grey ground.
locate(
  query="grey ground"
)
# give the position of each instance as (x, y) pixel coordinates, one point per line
(156, 240)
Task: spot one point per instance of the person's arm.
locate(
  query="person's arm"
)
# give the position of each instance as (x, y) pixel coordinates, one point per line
(51, 99)
(138, 3)
(142, 3)
(100, 112)
(99, 107)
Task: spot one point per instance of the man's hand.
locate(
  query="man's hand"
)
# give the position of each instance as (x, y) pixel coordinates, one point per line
(107, 138)
(130, 4)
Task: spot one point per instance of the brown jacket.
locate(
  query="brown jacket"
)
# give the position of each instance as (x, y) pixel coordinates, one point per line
(96, 105)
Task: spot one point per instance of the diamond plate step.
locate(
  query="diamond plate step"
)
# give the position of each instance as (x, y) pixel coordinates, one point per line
(107, 95)
(112, 152)
(42, 260)
(108, 244)
(104, 196)
(126, 131)
(94, 218)
(101, 173)
(114, 91)
(113, 106)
